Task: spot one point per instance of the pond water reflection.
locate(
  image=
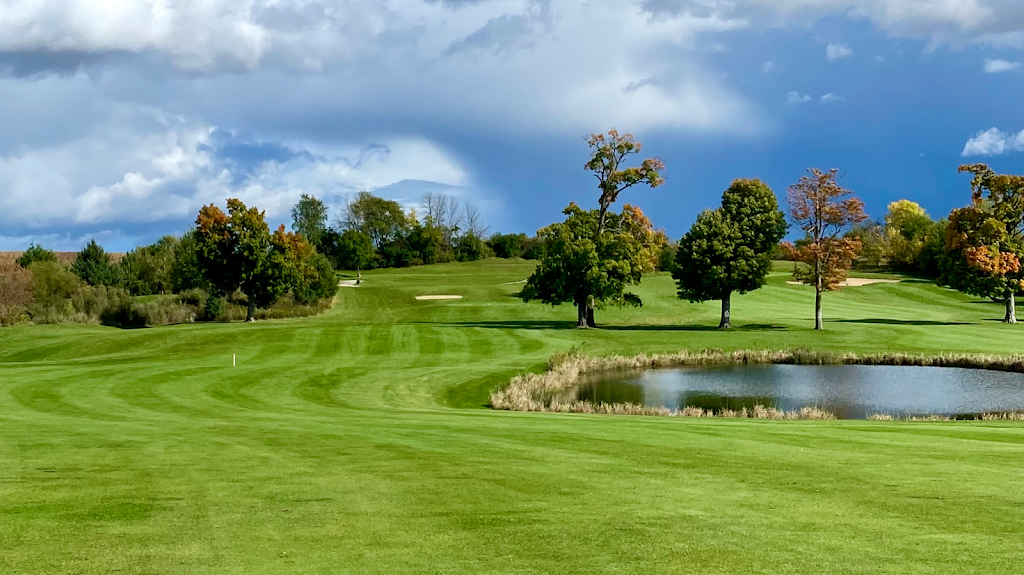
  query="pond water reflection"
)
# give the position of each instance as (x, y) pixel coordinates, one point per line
(849, 391)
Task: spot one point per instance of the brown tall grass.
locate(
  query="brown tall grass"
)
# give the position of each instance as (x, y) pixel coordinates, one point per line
(66, 258)
(540, 392)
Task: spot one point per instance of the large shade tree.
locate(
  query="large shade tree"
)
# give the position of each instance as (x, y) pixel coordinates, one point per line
(382, 220)
(609, 153)
(237, 251)
(729, 249)
(824, 211)
(984, 242)
(593, 270)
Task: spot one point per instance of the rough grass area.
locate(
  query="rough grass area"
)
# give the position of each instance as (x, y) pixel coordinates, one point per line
(358, 441)
(66, 258)
(541, 392)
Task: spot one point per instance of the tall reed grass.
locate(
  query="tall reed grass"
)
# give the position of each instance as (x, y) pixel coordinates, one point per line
(540, 392)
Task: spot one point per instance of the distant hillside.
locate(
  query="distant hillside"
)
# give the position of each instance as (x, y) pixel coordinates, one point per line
(64, 257)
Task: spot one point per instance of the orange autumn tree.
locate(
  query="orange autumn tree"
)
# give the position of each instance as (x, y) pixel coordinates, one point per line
(824, 211)
(984, 241)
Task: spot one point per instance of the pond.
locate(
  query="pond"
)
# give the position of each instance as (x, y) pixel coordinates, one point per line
(849, 391)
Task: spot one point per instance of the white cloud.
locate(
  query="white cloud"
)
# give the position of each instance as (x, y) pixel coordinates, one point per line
(318, 35)
(78, 150)
(994, 142)
(995, 66)
(138, 171)
(997, 22)
(517, 63)
(838, 51)
(831, 99)
(880, 59)
(795, 97)
(767, 67)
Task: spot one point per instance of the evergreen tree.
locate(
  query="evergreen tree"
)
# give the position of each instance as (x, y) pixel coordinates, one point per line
(94, 266)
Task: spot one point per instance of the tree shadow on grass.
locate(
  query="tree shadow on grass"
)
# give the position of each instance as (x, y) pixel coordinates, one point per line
(696, 327)
(565, 325)
(899, 321)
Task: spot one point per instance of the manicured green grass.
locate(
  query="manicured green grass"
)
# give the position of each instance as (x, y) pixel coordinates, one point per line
(356, 442)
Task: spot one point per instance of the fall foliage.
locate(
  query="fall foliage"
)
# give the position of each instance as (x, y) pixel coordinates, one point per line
(236, 251)
(15, 292)
(824, 211)
(984, 241)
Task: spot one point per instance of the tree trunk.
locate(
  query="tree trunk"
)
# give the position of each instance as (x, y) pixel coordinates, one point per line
(581, 315)
(590, 313)
(726, 322)
(818, 323)
(1011, 310)
(250, 314)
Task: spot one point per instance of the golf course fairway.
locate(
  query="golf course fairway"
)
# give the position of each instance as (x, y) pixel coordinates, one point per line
(359, 441)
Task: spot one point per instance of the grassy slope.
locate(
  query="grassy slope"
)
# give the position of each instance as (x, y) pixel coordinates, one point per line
(353, 442)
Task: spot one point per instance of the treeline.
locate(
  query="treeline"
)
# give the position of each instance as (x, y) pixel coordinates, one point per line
(373, 232)
(593, 256)
(905, 240)
(231, 266)
(228, 267)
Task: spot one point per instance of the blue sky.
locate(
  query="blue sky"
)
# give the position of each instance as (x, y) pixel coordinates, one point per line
(119, 123)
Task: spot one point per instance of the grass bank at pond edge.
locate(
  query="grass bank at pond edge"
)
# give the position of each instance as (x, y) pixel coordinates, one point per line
(539, 392)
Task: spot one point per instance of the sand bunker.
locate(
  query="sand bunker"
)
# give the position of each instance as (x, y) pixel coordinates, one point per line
(422, 297)
(348, 283)
(856, 282)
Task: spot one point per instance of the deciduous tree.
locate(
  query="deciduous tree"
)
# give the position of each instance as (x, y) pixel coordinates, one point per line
(609, 153)
(908, 229)
(354, 251)
(507, 245)
(729, 249)
(585, 269)
(185, 272)
(824, 210)
(233, 251)
(316, 280)
(309, 218)
(984, 242)
(382, 220)
(146, 270)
